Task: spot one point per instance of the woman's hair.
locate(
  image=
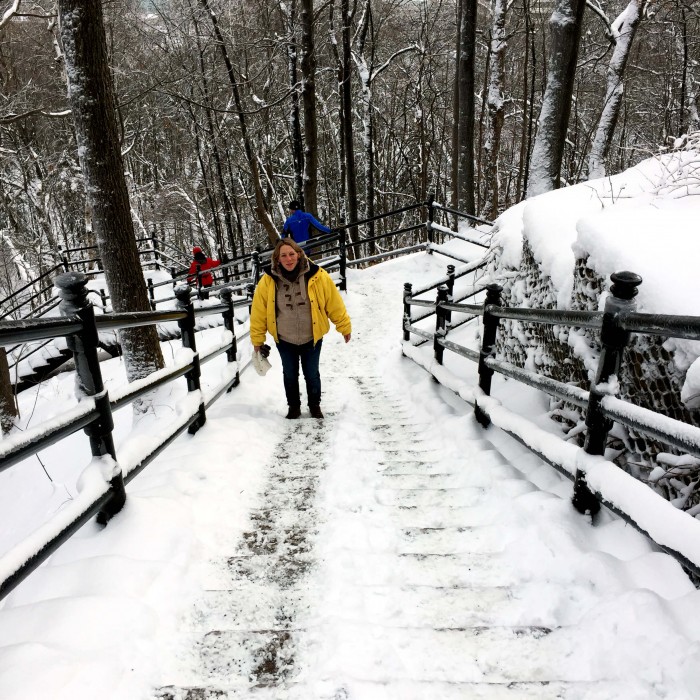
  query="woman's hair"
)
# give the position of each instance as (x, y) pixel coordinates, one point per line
(292, 245)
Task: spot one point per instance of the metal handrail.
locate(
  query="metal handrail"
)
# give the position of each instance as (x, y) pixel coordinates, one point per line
(471, 217)
(393, 212)
(94, 412)
(615, 323)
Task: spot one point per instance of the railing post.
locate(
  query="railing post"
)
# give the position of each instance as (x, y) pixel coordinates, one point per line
(223, 256)
(342, 245)
(450, 291)
(64, 258)
(103, 299)
(156, 252)
(74, 302)
(440, 322)
(255, 267)
(184, 303)
(226, 296)
(431, 219)
(613, 340)
(407, 293)
(493, 298)
(151, 293)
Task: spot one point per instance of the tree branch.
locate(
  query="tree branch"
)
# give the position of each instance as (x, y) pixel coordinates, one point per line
(387, 63)
(10, 118)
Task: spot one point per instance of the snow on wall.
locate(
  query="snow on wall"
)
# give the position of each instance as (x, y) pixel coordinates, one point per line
(559, 249)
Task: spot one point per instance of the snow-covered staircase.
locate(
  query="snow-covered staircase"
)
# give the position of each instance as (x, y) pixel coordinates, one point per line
(389, 558)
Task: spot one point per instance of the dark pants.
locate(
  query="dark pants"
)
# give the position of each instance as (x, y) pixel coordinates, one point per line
(309, 355)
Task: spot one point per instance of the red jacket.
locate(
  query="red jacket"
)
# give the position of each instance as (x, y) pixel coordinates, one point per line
(204, 263)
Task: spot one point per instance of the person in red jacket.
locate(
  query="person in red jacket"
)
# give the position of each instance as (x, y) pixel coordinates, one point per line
(201, 263)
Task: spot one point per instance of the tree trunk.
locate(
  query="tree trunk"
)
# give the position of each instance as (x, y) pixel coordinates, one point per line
(624, 29)
(92, 102)
(496, 112)
(294, 114)
(454, 163)
(466, 79)
(365, 74)
(351, 177)
(260, 208)
(228, 209)
(8, 407)
(341, 180)
(527, 109)
(565, 26)
(308, 95)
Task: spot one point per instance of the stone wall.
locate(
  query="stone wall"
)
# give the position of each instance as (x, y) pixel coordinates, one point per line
(649, 376)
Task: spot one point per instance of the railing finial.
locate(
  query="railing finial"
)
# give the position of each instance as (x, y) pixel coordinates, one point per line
(72, 289)
(625, 284)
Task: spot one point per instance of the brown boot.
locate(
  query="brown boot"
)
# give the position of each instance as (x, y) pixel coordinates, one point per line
(293, 412)
(315, 412)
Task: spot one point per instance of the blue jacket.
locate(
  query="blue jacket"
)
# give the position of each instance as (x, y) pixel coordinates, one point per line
(298, 226)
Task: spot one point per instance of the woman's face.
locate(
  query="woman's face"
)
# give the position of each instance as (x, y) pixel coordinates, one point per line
(288, 258)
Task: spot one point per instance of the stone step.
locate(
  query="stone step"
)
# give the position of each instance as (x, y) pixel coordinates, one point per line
(523, 604)
(429, 497)
(249, 605)
(451, 540)
(474, 516)
(357, 689)
(468, 655)
(436, 570)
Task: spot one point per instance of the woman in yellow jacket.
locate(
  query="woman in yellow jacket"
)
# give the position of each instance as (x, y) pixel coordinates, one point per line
(293, 302)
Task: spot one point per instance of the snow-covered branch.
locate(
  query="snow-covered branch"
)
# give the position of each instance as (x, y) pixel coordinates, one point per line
(10, 118)
(396, 54)
(10, 13)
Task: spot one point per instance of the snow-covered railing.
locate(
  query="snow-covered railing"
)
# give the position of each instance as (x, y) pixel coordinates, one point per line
(105, 493)
(453, 274)
(602, 406)
(23, 300)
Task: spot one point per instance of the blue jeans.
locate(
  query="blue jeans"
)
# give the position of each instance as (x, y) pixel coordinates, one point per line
(309, 355)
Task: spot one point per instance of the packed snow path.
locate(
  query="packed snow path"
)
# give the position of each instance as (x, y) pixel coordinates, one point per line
(391, 555)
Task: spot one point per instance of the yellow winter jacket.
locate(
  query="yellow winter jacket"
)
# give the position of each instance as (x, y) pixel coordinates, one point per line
(324, 297)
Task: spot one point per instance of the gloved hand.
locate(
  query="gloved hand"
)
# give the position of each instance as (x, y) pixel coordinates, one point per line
(265, 350)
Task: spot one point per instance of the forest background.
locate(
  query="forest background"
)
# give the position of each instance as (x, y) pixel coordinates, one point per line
(227, 109)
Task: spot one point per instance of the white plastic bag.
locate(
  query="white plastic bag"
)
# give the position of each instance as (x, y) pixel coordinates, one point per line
(261, 364)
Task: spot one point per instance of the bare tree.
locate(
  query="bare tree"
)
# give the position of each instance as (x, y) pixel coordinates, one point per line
(623, 31)
(466, 58)
(91, 97)
(289, 13)
(308, 96)
(496, 111)
(565, 27)
(346, 126)
(260, 206)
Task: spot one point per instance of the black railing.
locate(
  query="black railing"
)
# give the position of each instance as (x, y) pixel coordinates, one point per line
(241, 271)
(329, 250)
(80, 326)
(23, 299)
(601, 405)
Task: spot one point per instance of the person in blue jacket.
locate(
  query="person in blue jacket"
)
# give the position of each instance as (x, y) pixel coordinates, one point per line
(298, 224)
